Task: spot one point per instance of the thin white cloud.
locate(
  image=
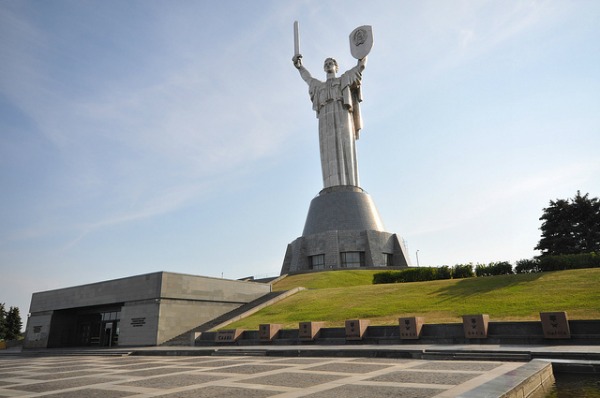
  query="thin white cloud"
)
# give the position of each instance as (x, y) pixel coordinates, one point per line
(201, 118)
(154, 206)
(485, 200)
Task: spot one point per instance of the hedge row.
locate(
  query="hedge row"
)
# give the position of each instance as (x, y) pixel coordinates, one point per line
(539, 264)
(569, 261)
(422, 274)
(558, 263)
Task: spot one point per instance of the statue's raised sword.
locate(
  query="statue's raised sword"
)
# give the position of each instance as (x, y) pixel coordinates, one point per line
(296, 39)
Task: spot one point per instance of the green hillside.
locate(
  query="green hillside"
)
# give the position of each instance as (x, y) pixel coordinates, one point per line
(327, 279)
(507, 297)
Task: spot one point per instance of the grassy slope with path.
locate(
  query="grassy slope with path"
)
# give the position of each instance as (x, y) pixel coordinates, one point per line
(339, 295)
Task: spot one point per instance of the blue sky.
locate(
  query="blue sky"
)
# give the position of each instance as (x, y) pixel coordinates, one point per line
(140, 136)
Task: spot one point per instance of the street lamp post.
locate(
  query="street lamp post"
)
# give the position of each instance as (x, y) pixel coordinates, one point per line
(417, 254)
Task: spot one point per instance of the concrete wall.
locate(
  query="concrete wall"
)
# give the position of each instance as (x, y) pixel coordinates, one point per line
(139, 323)
(203, 288)
(38, 330)
(180, 316)
(188, 301)
(108, 292)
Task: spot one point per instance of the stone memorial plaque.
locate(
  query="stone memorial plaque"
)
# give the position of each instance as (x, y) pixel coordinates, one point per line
(309, 330)
(268, 331)
(356, 328)
(410, 327)
(476, 326)
(229, 335)
(555, 325)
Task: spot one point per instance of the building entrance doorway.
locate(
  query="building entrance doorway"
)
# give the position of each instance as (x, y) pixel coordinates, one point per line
(85, 326)
(110, 333)
(109, 329)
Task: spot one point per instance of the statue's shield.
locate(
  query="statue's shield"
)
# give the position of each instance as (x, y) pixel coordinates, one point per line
(361, 41)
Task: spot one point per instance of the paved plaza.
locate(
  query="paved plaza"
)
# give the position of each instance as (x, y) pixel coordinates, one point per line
(241, 376)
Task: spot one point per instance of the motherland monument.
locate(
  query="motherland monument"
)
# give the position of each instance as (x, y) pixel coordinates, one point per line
(343, 228)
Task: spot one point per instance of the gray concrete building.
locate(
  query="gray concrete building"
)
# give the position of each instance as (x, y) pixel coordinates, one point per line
(142, 310)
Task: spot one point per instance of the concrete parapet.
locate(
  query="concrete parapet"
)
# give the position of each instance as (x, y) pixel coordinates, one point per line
(526, 332)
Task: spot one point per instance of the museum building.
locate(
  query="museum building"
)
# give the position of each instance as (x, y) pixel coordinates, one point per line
(142, 310)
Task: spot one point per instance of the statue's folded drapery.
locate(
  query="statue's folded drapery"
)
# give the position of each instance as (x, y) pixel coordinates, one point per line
(336, 103)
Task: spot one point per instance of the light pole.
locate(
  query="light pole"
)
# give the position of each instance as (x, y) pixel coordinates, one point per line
(417, 254)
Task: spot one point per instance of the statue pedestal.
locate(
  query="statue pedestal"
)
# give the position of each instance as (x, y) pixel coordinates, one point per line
(343, 230)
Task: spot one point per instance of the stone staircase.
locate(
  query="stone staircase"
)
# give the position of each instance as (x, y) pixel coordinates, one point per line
(241, 312)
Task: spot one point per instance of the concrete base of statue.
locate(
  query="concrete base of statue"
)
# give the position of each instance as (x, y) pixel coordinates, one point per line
(343, 230)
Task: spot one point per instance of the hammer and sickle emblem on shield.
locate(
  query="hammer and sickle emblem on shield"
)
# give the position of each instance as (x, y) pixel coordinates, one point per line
(360, 35)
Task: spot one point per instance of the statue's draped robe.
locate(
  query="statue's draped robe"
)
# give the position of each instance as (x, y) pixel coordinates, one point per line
(336, 102)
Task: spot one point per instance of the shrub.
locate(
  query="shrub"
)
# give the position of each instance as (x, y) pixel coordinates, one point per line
(499, 268)
(444, 272)
(384, 277)
(418, 274)
(482, 270)
(526, 266)
(462, 271)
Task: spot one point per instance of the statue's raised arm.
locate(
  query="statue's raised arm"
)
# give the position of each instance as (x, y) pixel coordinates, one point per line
(297, 60)
(304, 73)
(362, 63)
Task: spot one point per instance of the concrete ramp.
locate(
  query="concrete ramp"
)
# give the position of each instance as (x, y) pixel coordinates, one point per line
(185, 339)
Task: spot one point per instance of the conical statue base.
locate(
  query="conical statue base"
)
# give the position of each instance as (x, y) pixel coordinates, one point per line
(343, 230)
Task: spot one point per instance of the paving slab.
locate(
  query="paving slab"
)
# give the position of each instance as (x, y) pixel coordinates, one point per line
(271, 370)
(239, 376)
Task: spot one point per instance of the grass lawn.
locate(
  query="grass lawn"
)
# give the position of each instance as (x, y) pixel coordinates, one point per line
(506, 297)
(327, 279)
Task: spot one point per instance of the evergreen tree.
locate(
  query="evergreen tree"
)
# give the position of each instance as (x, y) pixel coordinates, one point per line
(13, 323)
(571, 226)
(2, 322)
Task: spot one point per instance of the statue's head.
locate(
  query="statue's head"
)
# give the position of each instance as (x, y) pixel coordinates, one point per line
(330, 65)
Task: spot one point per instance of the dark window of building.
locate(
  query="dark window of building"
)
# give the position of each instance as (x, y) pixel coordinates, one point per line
(316, 262)
(111, 316)
(352, 259)
(389, 259)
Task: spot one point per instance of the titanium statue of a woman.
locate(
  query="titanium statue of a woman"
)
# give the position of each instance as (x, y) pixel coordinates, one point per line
(336, 103)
